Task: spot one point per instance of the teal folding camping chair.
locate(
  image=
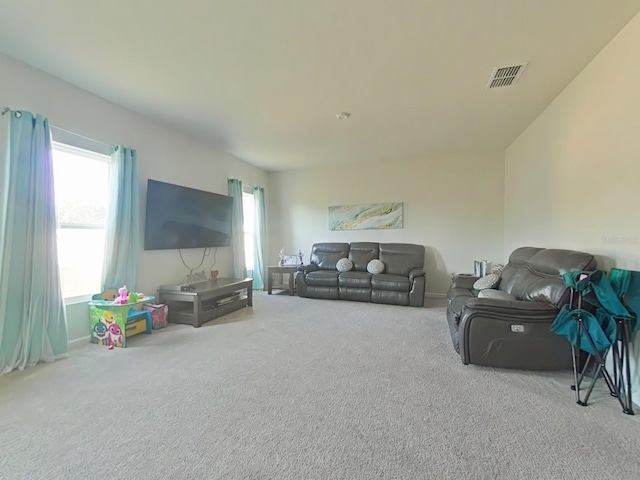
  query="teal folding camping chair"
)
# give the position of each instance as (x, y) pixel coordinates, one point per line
(609, 329)
(626, 284)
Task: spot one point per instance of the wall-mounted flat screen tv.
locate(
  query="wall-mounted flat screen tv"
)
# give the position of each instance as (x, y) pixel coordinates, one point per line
(182, 217)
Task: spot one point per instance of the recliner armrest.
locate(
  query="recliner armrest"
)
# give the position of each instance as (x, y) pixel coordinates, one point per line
(464, 281)
(510, 308)
(308, 268)
(511, 334)
(416, 272)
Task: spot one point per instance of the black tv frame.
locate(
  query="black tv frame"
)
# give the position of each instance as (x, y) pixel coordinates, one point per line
(179, 217)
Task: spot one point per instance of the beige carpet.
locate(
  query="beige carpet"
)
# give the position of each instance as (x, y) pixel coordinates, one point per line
(304, 389)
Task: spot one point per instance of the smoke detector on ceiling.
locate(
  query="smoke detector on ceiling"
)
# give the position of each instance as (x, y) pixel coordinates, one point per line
(506, 76)
(343, 115)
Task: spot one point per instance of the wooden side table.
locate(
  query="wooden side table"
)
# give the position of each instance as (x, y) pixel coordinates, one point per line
(279, 271)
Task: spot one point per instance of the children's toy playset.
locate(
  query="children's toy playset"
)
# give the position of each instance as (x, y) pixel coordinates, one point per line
(116, 316)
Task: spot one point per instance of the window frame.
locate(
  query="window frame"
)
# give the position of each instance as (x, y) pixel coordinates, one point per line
(92, 154)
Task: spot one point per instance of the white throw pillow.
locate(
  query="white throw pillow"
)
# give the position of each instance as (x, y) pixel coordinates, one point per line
(488, 281)
(344, 265)
(495, 294)
(375, 266)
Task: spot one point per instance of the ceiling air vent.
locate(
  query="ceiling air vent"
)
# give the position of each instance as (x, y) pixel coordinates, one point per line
(506, 76)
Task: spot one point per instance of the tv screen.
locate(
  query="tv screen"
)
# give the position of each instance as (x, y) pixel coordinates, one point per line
(181, 217)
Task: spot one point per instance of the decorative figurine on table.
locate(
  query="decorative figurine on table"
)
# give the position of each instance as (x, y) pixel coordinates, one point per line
(300, 255)
(281, 255)
(123, 296)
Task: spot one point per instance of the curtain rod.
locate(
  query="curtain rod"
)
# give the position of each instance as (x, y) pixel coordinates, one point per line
(245, 184)
(6, 110)
(82, 136)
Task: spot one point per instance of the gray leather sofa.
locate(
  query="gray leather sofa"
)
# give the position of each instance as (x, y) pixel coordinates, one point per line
(513, 332)
(401, 283)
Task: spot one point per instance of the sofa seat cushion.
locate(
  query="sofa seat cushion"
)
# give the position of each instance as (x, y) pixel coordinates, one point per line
(388, 281)
(322, 278)
(355, 279)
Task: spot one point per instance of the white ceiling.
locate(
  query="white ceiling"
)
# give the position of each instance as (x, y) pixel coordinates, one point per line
(264, 79)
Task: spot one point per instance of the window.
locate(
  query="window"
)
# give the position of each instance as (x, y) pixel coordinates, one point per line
(248, 209)
(81, 182)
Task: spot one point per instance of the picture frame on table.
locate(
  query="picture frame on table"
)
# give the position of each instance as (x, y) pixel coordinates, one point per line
(290, 260)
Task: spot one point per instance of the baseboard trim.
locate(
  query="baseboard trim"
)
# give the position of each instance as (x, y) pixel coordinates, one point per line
(434, 295)
(79, 341)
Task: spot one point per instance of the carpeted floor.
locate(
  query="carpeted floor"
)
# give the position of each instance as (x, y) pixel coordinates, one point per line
(304, 389)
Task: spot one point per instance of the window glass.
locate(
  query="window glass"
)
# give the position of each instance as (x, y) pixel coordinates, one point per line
(81, 180)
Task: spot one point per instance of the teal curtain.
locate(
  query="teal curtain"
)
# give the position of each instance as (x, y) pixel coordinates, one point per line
(238, 268)
(33, 325)
(123, 227)
(260, 241)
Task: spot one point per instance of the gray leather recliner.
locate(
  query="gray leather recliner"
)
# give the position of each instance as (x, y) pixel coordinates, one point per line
(401, 283)
(514, 332)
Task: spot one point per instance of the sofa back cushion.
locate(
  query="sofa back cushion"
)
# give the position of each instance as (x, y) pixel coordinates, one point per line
(361, 253)
(535, 274)
(516, 268)
(401, 258)
(326, 255)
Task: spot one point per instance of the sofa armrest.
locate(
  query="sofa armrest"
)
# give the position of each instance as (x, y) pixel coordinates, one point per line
(463, 281)
(510, 309)
(308, 268)
(416, 272)
(511, 334)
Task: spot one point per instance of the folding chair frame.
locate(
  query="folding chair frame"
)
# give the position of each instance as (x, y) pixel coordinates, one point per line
(619, 384)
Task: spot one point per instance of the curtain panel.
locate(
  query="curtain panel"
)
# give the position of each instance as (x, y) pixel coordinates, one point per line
(238, 268)
(33, 326)
(123, 221)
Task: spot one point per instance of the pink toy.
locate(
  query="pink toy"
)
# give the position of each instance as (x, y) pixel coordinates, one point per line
(115, 335)
(123, 296)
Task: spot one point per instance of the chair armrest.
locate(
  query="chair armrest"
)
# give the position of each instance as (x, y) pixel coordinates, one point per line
(307, 268)
(416, 272)
(463, 281)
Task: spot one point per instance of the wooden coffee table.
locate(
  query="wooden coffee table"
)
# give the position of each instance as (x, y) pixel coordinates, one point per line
(197, 303)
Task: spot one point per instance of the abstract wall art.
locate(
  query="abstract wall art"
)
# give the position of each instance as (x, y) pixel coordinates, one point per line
(372, 216)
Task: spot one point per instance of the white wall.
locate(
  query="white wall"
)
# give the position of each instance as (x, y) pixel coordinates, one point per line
(572, 178)
(163, 154)
(453, 206)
